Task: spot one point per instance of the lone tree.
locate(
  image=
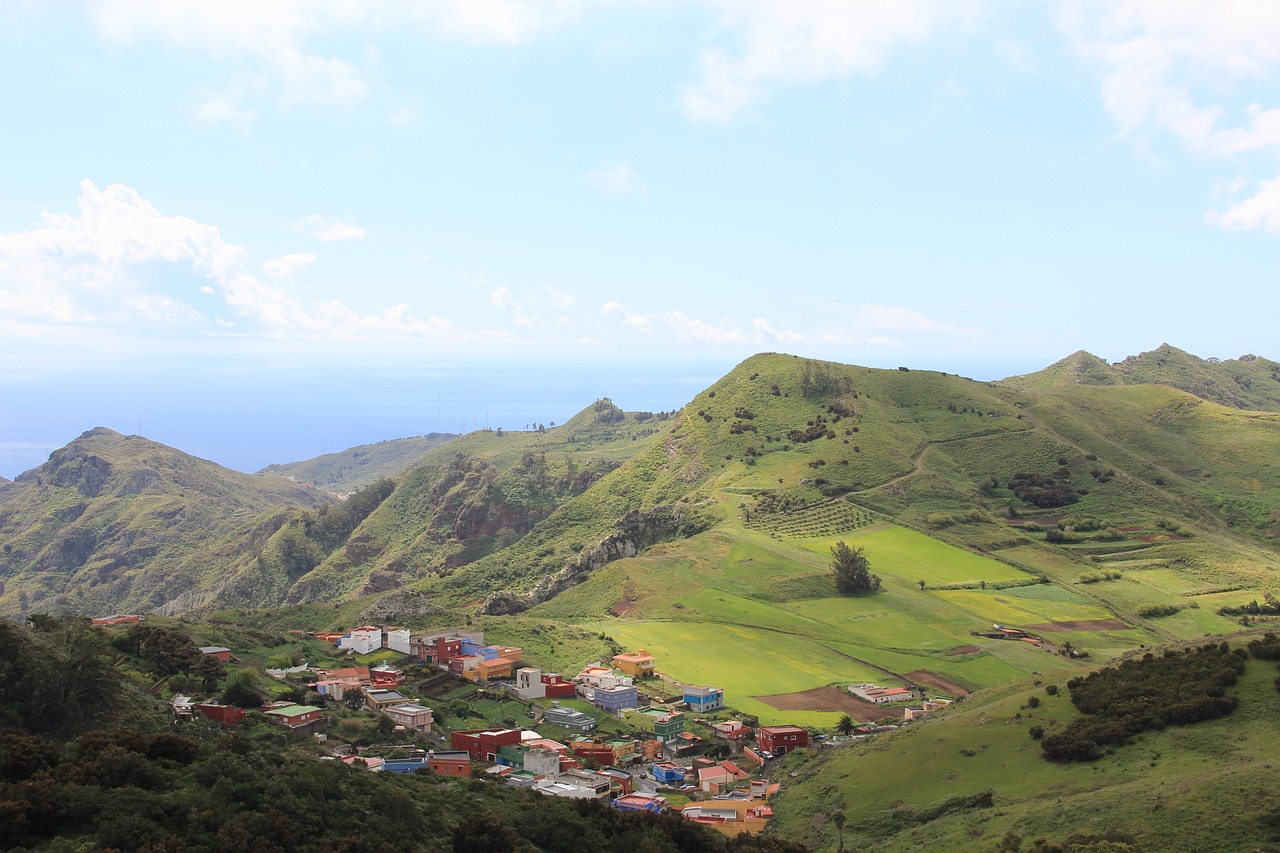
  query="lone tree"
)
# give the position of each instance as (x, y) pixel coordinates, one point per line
(852, 571)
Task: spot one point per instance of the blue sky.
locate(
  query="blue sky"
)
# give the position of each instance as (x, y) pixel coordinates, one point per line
(188, 188)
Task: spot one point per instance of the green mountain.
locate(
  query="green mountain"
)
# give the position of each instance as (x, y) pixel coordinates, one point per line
(1247, 382)
(474, 496)
(1098, 516)
(119, 523)
(356, 467)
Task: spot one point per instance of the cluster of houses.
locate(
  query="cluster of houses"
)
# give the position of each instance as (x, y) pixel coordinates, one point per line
(660, 755)
(886, 695)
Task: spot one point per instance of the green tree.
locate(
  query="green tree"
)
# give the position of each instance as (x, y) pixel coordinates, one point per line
(852, 570)
(845, 725)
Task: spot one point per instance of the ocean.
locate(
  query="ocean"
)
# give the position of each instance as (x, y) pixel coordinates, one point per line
(247, 420)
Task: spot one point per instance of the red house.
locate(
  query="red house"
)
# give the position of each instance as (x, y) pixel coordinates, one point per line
(447, 648)
(450, 763)
(557, 687)
(228, 715)
(483, 744)
(782, 739)
(601, 753)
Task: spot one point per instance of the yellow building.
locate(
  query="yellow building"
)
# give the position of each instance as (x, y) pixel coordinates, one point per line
(638, 664)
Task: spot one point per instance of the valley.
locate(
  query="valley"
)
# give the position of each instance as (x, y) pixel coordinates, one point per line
(1022, 532)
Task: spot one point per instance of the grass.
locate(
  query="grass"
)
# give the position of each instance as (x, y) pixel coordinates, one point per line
(1200, 787)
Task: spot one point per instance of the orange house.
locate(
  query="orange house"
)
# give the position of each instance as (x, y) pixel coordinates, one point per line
(638, 664)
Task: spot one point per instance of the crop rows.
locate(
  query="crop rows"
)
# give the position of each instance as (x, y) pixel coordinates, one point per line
(826, 519)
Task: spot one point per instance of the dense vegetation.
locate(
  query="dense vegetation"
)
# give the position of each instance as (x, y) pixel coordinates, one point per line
(1176, 688)
(87, 759)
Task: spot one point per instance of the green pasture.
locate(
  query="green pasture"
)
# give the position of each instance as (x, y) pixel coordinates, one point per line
(897, 552)
(1173, 789)
(745, 661)
(999, 607)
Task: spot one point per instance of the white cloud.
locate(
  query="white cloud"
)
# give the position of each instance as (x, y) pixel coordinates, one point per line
(327, 230)
(693, 330)
(280, 267)
(406, 116)
(616, 179)
(1260, 210)
(636, 321)
(279, 36)
(503, 299)
(220, 109)
(80, 271)
(561, 300)
(805, 41)
(890, 317)
(1166, 66)
(334, 231)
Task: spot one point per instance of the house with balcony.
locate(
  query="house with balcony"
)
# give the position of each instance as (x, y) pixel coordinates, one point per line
(702, 699)
(665, 725)
(638, 664)
(411, 715)
(667, 773)
(733, 730)
(779, 740)
(616, 699)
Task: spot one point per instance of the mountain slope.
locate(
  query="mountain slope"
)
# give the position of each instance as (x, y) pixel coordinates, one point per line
(356, 467)
(1191, 787)
(114, 522)
(476, 495)
(1248, 382)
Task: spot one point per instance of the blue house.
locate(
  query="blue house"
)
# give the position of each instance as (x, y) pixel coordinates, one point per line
(699, 699)
(614, 699)
(667, 773)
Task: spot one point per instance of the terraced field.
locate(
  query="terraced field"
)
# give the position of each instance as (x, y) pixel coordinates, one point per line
(760, 617)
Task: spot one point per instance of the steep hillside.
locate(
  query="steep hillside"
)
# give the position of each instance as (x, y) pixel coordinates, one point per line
(478, 494)
(114, 522)
(1247, 382)
(356, 467)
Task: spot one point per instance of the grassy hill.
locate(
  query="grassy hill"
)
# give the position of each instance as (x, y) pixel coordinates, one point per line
(1206, 786)
(474, 496)
(1247, 382)
(782, 458)
(114, 522)
(352, 469)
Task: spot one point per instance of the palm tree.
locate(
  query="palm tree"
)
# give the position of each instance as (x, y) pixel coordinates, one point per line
(845, 725)
(838, 819)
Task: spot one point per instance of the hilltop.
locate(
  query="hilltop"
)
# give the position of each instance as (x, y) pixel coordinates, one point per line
(121, 522)
(1247, 382)
(352, 469)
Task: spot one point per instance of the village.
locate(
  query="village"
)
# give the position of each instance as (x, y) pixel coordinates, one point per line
(617, 731)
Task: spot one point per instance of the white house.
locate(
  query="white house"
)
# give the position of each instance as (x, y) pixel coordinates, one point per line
(362, 640)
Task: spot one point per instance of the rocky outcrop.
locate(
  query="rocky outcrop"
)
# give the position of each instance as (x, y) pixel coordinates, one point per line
(635, 531)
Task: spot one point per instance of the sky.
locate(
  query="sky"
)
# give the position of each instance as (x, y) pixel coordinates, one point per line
(232, 194)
